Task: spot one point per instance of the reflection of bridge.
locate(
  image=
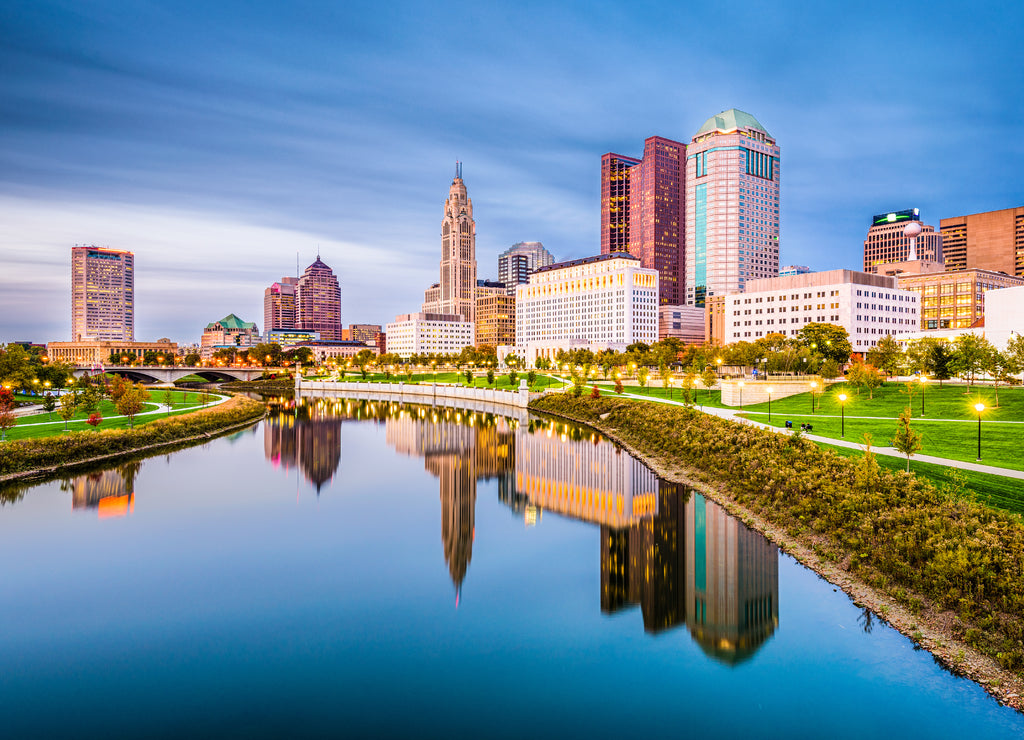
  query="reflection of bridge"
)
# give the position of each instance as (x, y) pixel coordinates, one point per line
(165, 374)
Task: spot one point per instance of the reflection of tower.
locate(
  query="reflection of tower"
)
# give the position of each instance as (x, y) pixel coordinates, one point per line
(110, 492)
(732, 583)
(314, 444)
(458, 505)
(459, 447)
(643, 563)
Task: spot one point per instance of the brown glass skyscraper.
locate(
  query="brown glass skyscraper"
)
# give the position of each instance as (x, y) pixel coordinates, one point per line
(643, 204)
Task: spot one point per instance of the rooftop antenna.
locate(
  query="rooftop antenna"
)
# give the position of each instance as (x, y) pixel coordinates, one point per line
(296, 263)
(458, 170)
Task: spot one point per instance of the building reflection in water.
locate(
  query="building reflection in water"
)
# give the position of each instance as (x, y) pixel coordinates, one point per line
(110, 492)
(308, 438)
(679, 557)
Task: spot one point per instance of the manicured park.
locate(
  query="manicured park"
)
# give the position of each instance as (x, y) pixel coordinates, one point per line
(43, 424)
(501, 381)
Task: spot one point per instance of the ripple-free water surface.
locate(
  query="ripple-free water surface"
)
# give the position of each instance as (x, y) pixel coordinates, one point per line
(370, 569)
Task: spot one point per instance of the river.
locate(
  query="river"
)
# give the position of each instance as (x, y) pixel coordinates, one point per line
(375, 569)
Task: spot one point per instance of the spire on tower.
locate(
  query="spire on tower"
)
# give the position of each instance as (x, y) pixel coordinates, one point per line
(458, 170)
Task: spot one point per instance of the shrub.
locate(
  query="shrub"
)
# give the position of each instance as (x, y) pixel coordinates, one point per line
(67, 449)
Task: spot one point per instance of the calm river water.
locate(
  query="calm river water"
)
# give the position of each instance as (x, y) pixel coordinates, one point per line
(373, 569)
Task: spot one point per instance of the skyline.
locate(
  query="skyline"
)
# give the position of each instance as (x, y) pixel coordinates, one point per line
(233, 137)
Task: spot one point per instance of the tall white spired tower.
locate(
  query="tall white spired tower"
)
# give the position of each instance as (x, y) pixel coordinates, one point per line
(458, 252)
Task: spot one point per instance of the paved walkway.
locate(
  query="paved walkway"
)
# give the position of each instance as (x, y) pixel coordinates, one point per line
(160, 409)
(733, 414)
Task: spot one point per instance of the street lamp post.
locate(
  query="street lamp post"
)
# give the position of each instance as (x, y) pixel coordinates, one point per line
(718, 361)
(814, 384)
(842, 412)
(979, 407)
(923, 380)
(769, 389)
(740, 385)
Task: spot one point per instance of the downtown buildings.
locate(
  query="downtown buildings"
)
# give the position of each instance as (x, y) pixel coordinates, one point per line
(643, 210)
(867, 306)
(993, 240)
(517, 262)
(604, 302)
(732, 206)
(891, 236)
(309, 303)
(455, 294)
(102, 294)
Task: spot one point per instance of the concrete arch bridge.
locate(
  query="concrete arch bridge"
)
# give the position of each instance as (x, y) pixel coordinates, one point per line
(162, 374)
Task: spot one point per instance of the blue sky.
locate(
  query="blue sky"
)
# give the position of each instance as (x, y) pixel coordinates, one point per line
(216, 140)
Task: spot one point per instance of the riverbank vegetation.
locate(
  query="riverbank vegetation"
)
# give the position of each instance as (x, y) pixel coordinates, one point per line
(936, 550)
(21, 456)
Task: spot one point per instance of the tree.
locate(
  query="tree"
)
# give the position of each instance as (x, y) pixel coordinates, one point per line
(531, 378)
(95, 419)
(168, 400)
(906, 440)
(872, 379)
(641, 376)
(468, 373)
(708, 378)
(132, 402)
(618, 385)
(7, 418)
(578, 381)
(939, 361)
(192, 359)
(68, 408)
(830, 370)
(886, 355)
(490, 376)
(89, 401)
(1000, 366)
(266, 353)
(595, 393)
(513, 378)
(665, 373)
(1014, 353)
(49, 404)
(970, 354)
(16, 367)
(828, 340)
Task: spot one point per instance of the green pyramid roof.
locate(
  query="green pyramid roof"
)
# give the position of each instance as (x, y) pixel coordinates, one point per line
(232, 322)
(730, 120)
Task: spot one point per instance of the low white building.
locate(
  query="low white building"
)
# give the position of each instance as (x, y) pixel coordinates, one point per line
(1004, 315)
(603, 302)
(428, 333)
(868, 306)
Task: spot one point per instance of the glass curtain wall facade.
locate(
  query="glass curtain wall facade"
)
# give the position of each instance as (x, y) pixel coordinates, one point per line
(732, 206)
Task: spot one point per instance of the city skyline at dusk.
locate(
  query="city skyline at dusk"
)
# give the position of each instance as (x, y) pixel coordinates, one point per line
(215, 143)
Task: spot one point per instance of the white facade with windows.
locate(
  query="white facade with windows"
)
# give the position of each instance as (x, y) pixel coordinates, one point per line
(603, 302)
(428, 333)
(869, 307)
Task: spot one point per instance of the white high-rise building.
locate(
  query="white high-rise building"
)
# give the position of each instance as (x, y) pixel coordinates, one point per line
(732, 206)
(869, 307)
(603, 302)
(428, 333)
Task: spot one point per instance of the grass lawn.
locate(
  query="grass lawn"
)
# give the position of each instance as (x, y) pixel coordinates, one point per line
(993, 490)
(36, 425)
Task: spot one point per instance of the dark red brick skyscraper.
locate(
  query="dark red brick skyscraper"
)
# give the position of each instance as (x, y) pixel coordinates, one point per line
(318, 301)
(643, 203)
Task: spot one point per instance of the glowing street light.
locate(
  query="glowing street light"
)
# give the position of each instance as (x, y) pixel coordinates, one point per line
(842, 411)
(979, 407)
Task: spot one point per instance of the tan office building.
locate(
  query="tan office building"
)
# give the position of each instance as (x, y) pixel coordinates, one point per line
(99, 353)
(954, 300)
(886, 243)
(993, 240)
(495, 314)
(102, 294)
